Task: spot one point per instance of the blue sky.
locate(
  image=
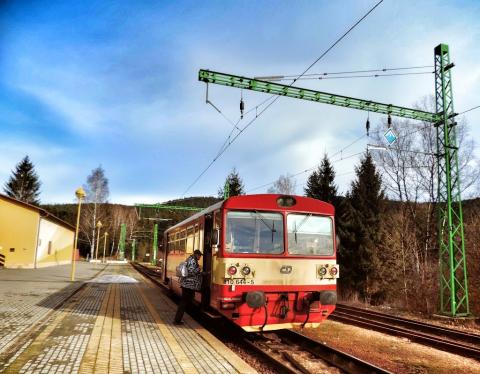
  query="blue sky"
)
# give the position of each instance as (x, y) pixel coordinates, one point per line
(115, 83)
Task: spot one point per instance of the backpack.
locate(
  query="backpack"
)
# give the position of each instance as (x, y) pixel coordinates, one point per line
(182, 270)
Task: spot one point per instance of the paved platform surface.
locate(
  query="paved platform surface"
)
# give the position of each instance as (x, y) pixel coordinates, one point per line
(118, 322)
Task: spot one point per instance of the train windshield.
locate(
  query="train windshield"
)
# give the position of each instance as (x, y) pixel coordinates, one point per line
(254, 232)
(310, 235)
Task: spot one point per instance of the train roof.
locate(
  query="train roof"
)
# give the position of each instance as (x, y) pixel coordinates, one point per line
(264, 202)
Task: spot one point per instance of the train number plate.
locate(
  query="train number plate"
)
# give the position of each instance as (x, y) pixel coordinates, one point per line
(239, 281)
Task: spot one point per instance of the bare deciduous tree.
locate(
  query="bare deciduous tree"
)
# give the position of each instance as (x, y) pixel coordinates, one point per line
(97, 194)
(285, 184)
(409, 169)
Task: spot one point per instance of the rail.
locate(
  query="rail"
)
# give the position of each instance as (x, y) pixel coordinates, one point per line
(453, 341)
(277, 348)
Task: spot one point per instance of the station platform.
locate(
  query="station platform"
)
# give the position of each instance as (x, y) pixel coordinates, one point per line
(113, 321)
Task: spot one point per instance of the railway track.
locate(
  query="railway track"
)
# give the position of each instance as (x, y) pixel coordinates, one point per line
(288, 351)
(453, 341)
(297, 353)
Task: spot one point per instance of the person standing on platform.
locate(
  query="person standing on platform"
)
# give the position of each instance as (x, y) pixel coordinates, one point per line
(191, 283)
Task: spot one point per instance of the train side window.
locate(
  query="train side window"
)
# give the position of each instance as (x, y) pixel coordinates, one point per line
(196, 238)
(200, 237)
(190, 239)
(217, 227)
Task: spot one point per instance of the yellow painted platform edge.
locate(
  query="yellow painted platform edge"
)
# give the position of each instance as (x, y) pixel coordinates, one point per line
(181, 357)
(235, 360)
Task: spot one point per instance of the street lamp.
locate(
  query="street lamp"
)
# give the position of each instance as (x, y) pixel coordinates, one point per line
(99, 226)
(104, 245)
(80, 194)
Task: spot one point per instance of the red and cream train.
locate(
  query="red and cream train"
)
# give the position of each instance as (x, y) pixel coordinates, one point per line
(271, 258)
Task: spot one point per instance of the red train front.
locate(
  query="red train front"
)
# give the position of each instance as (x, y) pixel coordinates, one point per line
(272, 259)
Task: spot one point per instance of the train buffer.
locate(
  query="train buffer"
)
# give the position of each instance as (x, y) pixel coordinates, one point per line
(115, 322)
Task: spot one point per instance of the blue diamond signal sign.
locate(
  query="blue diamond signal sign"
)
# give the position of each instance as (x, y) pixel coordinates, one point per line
(390, 136)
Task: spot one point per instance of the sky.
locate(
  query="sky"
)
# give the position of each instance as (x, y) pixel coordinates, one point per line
(115, 83)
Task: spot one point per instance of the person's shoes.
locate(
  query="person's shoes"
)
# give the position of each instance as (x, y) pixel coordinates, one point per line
(178, 322)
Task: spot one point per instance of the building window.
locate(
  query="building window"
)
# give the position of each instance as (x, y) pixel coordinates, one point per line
(12, 249)
(50, 248)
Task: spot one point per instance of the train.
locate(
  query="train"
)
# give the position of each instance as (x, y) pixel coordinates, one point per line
(270, 260)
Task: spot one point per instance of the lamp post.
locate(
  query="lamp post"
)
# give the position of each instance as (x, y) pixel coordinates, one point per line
(105, 245)
(99, 226)
(80, 194)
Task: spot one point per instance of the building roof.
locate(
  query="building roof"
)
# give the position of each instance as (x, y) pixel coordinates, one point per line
(43, 213)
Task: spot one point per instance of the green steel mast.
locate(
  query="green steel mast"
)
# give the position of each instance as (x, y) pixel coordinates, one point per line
(453, 266)
(155, 244)
(123, 237)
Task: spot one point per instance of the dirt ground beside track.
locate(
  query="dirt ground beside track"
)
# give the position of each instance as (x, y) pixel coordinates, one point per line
(398, 355)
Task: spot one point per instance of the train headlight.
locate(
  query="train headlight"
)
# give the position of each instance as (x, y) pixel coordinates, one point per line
(333, 271)
(232, 270)
(322, 271)
(255, 299)
(246, 270)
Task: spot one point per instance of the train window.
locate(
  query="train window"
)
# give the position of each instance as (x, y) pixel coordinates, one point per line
(218, 220)
(190, 239)
(310, 235)
(254, 232)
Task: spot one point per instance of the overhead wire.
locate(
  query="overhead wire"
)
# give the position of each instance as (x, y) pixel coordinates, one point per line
(277, 97)
(341, 157)
(368, 70)
(358, 76)
(469, 110)
(351, 72)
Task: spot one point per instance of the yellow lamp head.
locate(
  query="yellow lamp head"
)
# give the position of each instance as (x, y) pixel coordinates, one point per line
(80, 193)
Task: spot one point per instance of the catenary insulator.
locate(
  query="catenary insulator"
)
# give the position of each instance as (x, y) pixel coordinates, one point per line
(242, 107)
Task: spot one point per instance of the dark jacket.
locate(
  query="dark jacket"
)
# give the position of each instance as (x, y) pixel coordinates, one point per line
(193, 280)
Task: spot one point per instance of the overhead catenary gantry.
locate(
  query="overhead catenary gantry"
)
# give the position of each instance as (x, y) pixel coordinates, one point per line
(453, 267)
(155, 226)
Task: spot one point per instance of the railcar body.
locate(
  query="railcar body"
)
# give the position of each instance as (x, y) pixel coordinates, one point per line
(271, 258)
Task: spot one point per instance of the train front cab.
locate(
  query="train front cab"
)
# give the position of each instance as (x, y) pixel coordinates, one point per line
(273, 261)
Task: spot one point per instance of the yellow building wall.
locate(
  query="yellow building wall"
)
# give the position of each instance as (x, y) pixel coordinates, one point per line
(55, 244)
(18, 230)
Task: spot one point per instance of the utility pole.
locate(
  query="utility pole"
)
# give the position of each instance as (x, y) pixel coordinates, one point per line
(134, 244)
(453, 266)
(226, 190)
(123, 237)
(155, 244)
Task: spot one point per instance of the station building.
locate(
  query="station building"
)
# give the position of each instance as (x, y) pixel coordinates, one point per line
(31, 237)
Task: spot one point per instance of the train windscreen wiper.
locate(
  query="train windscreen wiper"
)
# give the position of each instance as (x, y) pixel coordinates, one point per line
(262, 218)
(295, 230)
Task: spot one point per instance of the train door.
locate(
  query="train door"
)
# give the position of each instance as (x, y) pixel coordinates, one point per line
(207, 260)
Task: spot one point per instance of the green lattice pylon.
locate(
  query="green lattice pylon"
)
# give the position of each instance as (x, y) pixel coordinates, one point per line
(226, 190)
(155, 244)
(452, 261)
(134, 247)
(121, 246)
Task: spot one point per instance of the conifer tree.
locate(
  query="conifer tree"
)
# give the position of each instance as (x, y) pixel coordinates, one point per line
(235, 184)
(362, 227)
(320, 184)
(24, 184)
